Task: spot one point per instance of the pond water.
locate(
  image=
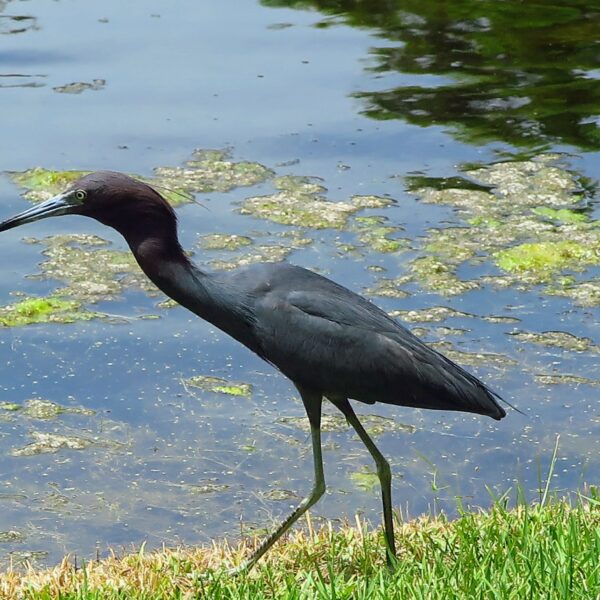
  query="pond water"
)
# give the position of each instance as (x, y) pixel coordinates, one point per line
(478, 120)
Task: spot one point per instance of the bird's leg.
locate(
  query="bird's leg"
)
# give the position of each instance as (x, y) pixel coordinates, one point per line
(312, 404)
(383, 471)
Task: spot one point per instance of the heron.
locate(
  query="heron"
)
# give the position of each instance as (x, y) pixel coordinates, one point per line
(330, 342)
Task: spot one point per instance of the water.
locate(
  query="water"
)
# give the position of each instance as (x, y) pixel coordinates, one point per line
(337, 96)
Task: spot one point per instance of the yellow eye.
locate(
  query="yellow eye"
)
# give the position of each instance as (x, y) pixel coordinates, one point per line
(80, 195)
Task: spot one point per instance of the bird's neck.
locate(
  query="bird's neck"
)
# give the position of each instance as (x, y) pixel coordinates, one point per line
(211, 297)
(165, 264)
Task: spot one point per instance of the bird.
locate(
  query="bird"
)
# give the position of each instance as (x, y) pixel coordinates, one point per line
(331, 342)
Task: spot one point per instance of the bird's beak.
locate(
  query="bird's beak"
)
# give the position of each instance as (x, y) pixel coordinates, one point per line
(58, 205)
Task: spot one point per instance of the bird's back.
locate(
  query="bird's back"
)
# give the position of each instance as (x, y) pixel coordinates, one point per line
(327, 338)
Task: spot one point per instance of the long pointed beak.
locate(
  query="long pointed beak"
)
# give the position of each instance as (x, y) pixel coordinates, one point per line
(58, 205)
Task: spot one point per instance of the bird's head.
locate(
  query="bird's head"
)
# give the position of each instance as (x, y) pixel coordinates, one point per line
(130, 206)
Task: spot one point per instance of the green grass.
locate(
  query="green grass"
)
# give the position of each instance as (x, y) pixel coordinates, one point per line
(547, 550)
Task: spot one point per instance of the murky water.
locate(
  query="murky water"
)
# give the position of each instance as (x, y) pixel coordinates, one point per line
(399, 104)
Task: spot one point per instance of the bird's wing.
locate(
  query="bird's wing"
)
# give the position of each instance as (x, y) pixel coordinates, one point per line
(338, 342)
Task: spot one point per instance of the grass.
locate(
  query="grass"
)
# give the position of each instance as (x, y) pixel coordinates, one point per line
(546, 550)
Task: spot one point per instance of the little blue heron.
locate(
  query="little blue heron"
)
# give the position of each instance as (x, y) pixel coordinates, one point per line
(329, 341)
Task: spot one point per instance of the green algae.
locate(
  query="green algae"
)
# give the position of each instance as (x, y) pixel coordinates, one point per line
(11, 536)
(279, 495)
(92, 273)
(438, 332)
(375, 425)
(436, 314)
(80, 86)
(372, 231)
(366, 479)
(299, 202)
(222, 241)
(558, 339)
(371, 201)
(52, 309)
(542, 260)
(563, 379)
(47, 443)
(202, 489)
(389, 288)
(435, 275)
(206, 171)
(583, 293)
(10, 406)
(561, 214)
(433, 314)
(218, 385)
(42, 184)
(37, 408)
(472, 359)
(529, 221)
(259, 254)
(211, 171)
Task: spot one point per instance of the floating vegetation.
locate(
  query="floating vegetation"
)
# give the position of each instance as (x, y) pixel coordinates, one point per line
(37, 408)
(555, 379)
(389, 288)
(372, 231)
(530, 221)
(472, 359)
(540, 261)
(374, 424)
(279, 495)
(92, 272)
(202, 489)
(80, 86)
(206, 171)
(558, 339)
(299, 202)
(272, 253)
(583, 293)
(52, 309)
(218, 385)
(223, 241)
(210, 171)
(45, 443)
(11, 536)
(428, 315)
(437, 276)
(42, 184)
(371, 201)
(561, 214)
(436, 314)
(366, 479)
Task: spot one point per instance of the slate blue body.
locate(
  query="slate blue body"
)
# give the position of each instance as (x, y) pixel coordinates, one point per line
(331, 340)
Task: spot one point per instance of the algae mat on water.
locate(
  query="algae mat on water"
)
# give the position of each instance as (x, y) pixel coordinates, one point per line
(533, 222)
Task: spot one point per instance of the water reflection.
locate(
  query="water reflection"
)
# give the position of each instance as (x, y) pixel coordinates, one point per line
(522, 73)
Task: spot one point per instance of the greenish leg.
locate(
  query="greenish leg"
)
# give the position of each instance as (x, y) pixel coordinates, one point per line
(312, 404)
(383, 471)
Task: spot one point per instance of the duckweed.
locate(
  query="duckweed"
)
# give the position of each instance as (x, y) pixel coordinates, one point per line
(52, 309)
(42, 184)
(218, 385)
(529, 221)
(221, 241)
(211, 171)
(542, 260)
(45, 443)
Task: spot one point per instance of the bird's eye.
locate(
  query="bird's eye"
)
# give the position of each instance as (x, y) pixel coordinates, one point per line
(80, 195)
